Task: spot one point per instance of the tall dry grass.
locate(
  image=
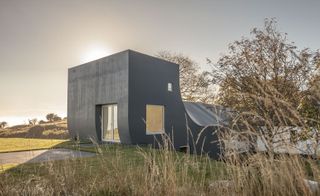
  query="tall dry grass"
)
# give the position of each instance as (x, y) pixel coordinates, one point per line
(122, 170)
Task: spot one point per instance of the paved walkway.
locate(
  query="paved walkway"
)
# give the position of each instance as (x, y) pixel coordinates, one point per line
(41, 156)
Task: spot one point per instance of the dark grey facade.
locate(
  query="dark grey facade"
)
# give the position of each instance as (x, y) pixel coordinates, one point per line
(133, 80)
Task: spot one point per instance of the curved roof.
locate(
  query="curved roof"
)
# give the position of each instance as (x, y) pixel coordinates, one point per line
(207, 115)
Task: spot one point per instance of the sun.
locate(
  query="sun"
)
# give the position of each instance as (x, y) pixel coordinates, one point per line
(95, 52)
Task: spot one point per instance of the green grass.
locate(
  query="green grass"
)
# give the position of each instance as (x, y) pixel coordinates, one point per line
(116, 169)
(23, 144)
(133, 170)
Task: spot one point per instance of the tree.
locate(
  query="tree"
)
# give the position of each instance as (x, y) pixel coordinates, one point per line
(315, 81)
(264, 70)
(42, 122)
(194, 84)
(3, 124)
(57, 118)
(33, 121)
(51, 117)
(309, 106)
(264, 78)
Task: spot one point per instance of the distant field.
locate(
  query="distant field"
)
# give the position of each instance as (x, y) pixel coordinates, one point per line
(50, 130)
(5, 167)
(22, 144)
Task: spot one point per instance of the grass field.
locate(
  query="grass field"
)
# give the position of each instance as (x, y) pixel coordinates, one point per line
(132, 170)
(116, 170)
(23, 144)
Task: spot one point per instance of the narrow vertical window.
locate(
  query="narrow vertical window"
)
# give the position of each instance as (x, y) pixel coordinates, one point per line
(154, 119)
(170, 87)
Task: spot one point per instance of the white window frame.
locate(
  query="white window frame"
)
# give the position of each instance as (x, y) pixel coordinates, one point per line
(112, 121)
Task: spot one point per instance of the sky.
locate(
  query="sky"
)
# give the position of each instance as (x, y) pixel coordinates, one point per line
(41, 39)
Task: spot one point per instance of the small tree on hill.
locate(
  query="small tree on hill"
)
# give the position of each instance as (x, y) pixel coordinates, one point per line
(50, 117)
(3, 124)
(33, 121)
(42, 122)
(57, 118)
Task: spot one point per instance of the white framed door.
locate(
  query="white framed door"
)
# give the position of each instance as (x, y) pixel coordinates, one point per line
(109, 123)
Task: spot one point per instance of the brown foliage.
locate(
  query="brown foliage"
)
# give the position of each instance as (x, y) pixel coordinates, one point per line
(265, 74)
(195, 85)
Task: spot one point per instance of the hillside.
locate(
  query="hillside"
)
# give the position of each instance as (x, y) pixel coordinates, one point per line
(49, 130)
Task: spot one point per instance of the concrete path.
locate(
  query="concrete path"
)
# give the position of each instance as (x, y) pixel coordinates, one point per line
(41, 156)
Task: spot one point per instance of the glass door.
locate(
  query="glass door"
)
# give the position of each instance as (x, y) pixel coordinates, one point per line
(110, 123)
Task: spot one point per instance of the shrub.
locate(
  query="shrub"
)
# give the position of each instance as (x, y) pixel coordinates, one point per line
(3, 125)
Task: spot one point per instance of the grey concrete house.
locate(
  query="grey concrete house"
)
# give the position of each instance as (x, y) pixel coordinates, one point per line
(133, 98)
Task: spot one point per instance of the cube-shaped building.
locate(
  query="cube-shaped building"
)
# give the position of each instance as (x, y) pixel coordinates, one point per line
(133, 98)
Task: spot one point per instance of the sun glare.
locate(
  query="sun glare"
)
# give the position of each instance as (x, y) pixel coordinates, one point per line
(95, 53)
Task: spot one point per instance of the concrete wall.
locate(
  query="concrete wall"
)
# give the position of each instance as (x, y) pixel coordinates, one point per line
(93, 84)
(148, 84)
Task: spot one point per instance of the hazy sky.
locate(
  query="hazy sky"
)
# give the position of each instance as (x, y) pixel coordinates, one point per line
(41, 39)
